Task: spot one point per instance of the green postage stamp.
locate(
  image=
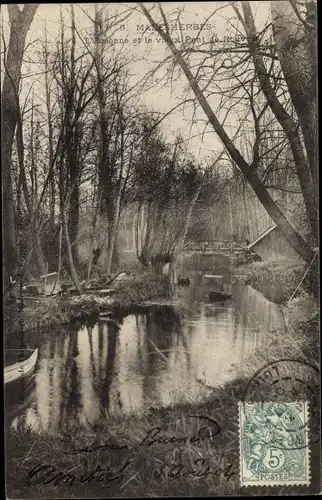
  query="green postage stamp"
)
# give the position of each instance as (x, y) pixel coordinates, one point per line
(274, 444)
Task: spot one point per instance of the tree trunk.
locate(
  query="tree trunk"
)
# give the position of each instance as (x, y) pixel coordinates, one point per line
(94, 254)
(73, 223)
(52, 197)
(188, 218)
(20, 24)
(29, 200)
(294, 239)
(296, 45)
(113, 225)
(116, 255)
(285, 120)
(72, 268)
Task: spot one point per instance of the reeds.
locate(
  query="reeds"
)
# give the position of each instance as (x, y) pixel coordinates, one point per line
(151, 463)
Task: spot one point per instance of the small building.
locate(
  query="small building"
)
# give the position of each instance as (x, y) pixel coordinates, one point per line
(50, 284)
(272, 245)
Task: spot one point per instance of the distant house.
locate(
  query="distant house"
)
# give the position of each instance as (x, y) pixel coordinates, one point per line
(272, 245)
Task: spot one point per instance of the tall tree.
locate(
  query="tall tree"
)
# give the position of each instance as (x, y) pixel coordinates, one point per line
(295, 34)
(289, 126)
(20, 22)
(295, 240)
(117, 131)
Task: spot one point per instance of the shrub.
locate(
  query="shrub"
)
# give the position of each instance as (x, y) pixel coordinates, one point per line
(144, 286)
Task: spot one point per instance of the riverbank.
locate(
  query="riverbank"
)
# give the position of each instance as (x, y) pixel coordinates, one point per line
(276, 280)
(146, 462)
(137, 289)
(287, 283)
(279, 280)
(157, 453)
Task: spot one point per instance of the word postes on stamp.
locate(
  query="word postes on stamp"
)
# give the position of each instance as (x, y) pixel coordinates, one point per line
(274, 444)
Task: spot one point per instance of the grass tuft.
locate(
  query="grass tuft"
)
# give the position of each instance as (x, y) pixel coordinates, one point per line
(277, 279)
(25, 448)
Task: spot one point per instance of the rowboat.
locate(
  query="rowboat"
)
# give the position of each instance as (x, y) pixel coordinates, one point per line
(21, 369)
(219, 295)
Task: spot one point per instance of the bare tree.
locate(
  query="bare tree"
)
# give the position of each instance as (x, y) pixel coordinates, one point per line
(295, 35)
(284, 118)
(251, 174)
(117, 134)
(20, 22)
(75, 93)
(30, 195)
(49, 113)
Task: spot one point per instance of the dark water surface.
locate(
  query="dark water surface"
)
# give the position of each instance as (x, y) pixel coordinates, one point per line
(167, 355)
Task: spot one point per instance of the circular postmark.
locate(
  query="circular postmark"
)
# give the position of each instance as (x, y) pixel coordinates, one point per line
(284, 380)
(278, 394)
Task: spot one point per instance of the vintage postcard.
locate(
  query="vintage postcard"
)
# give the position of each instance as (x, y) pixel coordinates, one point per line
(160, 212)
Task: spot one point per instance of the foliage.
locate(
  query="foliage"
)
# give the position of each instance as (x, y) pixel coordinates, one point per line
(278, 279)
(139, 288)
(143, 287)
(261, 78)
(168, 181)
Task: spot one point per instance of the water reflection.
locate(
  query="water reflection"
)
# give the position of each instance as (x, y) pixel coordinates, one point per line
(164, 356)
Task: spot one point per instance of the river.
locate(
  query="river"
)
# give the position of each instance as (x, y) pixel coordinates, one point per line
(167, 355)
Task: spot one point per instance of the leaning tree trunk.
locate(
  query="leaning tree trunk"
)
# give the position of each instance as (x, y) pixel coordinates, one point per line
(113, 225)
(294, 239)
(296, 44)
(71, 263)
(73, 222)
(178, 247)
(20, 23)
(286, 121)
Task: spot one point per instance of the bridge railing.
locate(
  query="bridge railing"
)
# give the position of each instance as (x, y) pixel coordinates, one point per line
(216, 246)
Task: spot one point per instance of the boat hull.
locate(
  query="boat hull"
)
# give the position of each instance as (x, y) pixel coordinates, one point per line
(20, 370)
(219, 296)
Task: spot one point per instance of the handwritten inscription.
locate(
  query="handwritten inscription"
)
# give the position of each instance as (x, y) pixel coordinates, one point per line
(49, 474)
(94, 447)
(180, 471)
(155, 436)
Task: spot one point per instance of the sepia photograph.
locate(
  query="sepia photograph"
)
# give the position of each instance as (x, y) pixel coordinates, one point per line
(160, 214)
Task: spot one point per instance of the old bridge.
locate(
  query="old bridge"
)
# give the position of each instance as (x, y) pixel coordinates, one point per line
(227, 247)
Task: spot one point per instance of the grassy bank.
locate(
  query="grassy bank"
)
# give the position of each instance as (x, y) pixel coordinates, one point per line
(139, 288)
(282, 282)
(278, 279)
(151, 468)
(155, 469)
(139, 478)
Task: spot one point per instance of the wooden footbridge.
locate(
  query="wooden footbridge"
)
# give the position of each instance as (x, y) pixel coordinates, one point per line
(226, 247)
(270, 244)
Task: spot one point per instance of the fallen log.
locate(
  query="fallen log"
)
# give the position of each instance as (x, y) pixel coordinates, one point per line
(102, 291)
